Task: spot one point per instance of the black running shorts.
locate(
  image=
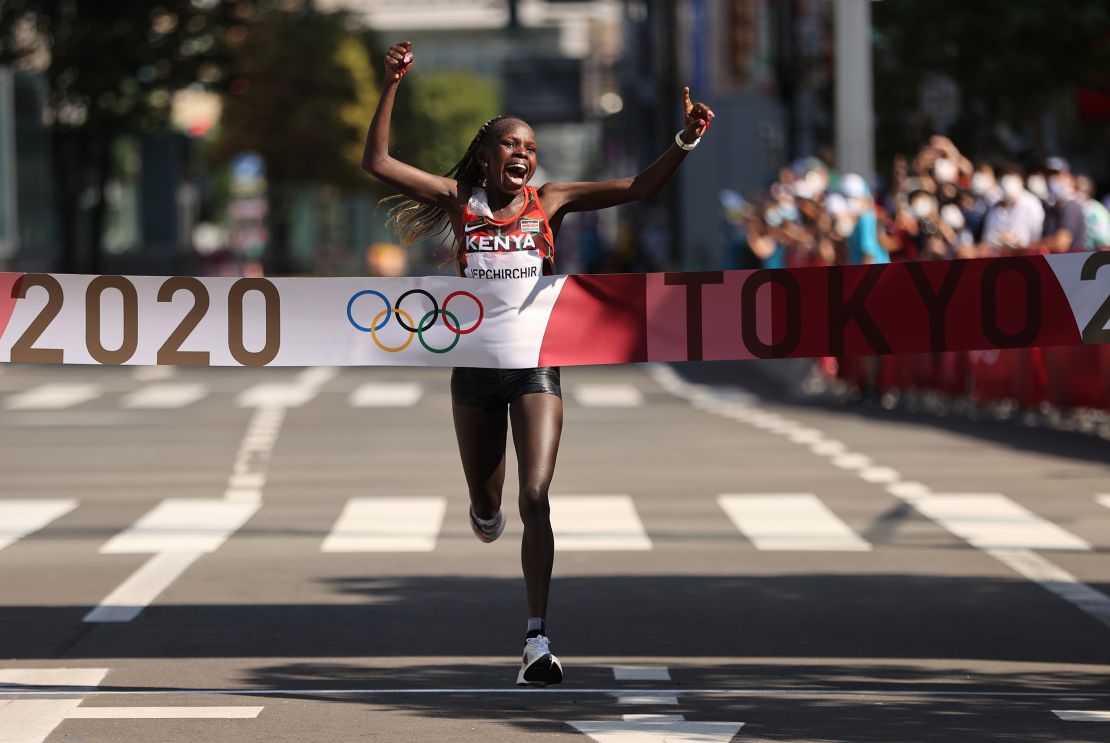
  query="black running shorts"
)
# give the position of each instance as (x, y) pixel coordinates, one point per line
(491, 389)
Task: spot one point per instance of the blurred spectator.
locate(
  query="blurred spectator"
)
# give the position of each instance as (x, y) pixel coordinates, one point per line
(863, 240)
(1095, 214)
(1065, 227)
(1014, 223)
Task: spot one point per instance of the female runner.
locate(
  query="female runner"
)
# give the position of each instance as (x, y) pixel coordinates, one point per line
(487, 193)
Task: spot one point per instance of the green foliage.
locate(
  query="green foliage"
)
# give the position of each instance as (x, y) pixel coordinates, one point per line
(290, 98)
(1013, 60)
(441, 115)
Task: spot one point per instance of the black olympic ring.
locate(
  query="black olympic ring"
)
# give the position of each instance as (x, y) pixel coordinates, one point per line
(434, 311)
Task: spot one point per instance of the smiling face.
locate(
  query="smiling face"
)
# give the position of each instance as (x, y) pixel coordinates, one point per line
(509, 157)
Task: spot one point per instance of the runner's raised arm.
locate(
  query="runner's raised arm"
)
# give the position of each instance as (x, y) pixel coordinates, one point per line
(417, 184)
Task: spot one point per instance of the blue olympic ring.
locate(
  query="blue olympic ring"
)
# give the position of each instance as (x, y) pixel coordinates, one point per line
(379, 295)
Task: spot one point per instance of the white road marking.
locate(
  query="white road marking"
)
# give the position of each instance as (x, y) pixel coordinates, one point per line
(608, 395)
(153, 373)
(164, 713)
(78, 679)
(409, 524)
(652, 717)
(53, 396)
(136, 593)
(381, 395)
(163, 396)
(829, 448)
(647, 699)
(641, 673)
(1082, 715)
(248, 474)
(1057, 580)
(1103, 499)
(597, 523)
(908, 490)
(179, 531)
(21, 517)
(189, 525)
(879, 475)
(657, 729)
(790, 522)
(851, 461)
(276, 394)
(992, 521)
(32, 720)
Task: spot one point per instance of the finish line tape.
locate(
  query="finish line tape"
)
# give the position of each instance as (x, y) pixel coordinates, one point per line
(1012, 302)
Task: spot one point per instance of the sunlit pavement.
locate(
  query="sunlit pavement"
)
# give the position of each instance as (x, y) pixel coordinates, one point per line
(284, 555)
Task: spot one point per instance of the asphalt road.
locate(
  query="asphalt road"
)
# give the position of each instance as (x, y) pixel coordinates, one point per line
(284, 555)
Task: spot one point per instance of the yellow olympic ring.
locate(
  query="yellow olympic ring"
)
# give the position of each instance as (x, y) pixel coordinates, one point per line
(374, 333)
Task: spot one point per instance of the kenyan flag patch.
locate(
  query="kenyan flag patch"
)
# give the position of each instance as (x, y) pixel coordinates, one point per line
(530, 225)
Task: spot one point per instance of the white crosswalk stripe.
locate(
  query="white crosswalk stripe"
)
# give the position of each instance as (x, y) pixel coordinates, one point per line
(992, 521)
(404, 524)
(608, 395)
(53, 396)
(597, 523)
(798, 521)
(383, 395)
(158, 396)
(182, 525)
(276, 394)
(20, 517)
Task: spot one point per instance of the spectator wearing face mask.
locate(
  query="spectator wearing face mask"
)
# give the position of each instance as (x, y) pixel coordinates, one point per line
(1095, 214)
(1065, 226)
(863, 242)
(1016, 222)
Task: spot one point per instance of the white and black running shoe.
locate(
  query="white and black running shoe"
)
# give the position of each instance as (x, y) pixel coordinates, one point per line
(487, 530)
(539, 667)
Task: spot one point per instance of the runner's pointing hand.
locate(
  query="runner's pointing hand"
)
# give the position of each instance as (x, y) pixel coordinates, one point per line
(697, 115)
(398, 61)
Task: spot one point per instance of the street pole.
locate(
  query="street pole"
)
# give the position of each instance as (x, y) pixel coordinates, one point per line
(855, 115)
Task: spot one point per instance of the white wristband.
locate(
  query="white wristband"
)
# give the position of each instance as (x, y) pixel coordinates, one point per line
(678, 141)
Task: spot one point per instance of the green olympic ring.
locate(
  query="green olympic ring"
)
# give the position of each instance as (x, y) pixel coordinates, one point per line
(420, 334)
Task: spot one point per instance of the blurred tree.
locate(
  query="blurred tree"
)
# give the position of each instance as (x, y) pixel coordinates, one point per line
(1013, 62)
(443, 112)
(112, 68)
(301, 95)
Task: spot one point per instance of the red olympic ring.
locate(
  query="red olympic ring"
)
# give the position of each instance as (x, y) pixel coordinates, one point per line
(472, 328)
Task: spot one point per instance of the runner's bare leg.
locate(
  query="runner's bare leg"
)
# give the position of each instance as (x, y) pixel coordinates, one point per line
(481, 434)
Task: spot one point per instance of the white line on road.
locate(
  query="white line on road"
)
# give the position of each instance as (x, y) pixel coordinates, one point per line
(164, 713)
(20, 517)
(597, 523)
(164, 396)
(608, 395)
(790, 522)
(32, 720)
(81, 679)
(409, 524)
(1082, 715)
(383, 395)
(641, 673)
(276, 394)
(136, 593)
(647, 699)
(53, 396)
(192, 525)
(1057, 580)
(153, 373)
(657, 729)
(899, 691)
(993, 521)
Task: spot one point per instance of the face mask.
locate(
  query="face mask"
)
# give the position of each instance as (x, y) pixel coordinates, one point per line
(816, 182)
(1011, 186)
(945, 170)
(952, 216)
(921, 208)
(1037, 185)
(981, 183)
(1058, 187)
(789, 212)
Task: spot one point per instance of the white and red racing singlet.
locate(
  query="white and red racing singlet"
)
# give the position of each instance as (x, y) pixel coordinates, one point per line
(520, 247)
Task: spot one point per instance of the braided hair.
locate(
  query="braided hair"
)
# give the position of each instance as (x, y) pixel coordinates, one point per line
(414, 220)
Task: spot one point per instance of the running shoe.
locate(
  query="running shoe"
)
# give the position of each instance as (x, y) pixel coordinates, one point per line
(487, 530)
(539, 667)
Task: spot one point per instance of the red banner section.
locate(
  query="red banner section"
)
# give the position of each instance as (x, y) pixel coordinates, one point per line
(898, 308)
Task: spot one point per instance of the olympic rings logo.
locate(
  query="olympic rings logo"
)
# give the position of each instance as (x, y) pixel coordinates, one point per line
(415, 329)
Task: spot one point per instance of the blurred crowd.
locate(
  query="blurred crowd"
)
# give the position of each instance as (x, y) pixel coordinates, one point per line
(940, 204)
